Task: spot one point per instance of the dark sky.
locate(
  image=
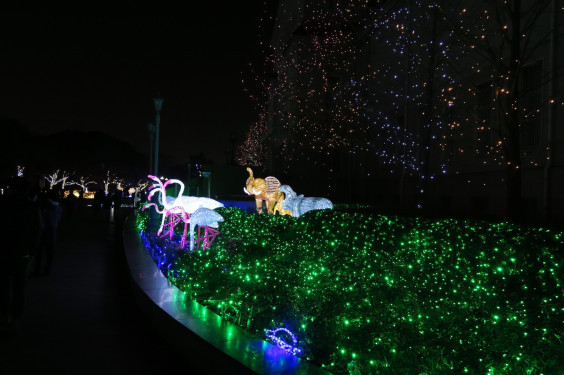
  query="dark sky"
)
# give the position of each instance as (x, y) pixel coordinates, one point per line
(61, 72)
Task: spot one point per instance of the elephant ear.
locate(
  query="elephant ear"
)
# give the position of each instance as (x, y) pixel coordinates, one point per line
(272, 184)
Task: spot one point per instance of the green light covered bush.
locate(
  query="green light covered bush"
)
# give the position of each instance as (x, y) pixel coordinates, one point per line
(394, 294)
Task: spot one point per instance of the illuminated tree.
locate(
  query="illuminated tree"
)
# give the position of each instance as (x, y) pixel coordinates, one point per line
(109, 180)
(54, 178)
(503, 46)
(83, 182)
(64, 177)
(119, 183)
(368, 80)
(141, 185)
(413, 84)
(251, 152)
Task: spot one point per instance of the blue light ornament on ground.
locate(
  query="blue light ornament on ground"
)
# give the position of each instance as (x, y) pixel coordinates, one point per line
(281, 343)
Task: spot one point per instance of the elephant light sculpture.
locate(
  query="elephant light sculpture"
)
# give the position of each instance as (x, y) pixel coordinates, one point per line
(264, 189)
(299, 205)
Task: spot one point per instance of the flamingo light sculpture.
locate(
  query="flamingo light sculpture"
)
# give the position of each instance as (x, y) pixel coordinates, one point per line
(179, 208)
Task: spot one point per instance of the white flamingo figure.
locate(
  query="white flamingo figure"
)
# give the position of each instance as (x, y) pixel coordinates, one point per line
(182, 206)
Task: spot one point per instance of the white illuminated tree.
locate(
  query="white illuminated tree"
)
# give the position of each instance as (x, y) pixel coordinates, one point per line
(83, 183)
(119, 183)
(110, 180)
(64, 177)
(141, 185)
(54, 178)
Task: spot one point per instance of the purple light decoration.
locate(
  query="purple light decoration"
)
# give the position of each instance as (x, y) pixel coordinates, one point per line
(281, 343)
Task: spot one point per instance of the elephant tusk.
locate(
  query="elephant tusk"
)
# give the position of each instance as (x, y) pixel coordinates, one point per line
(245, 190)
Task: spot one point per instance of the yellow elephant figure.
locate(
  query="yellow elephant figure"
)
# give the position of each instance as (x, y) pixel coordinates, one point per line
(264, 189)
(279, 204)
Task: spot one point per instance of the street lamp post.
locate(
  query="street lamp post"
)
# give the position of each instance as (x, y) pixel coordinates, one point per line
(158, 101)
(154, 165)
(151, 130)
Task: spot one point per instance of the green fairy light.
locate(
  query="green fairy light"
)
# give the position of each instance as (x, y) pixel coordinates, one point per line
(446, 297)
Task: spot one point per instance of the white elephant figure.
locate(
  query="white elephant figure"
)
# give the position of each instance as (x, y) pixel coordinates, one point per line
(299, 205)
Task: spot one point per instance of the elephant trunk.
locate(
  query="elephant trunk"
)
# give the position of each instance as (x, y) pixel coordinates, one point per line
(250, 172)
(249, 182)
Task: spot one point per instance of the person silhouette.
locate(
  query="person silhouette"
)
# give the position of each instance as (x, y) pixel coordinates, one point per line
(116, 200)
(20, 232)
(51, 213)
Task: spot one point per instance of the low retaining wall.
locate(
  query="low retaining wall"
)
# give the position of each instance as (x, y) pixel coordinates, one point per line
(210, 343)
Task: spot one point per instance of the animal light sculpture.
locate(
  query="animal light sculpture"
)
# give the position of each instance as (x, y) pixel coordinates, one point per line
(264, 189)
(299, 205)
(207, 219)
(279, 340)
(177, 209)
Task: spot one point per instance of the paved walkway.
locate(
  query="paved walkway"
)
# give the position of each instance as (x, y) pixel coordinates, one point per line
(82, 318)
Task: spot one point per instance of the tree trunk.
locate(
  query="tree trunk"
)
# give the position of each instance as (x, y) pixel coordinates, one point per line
(510, 107)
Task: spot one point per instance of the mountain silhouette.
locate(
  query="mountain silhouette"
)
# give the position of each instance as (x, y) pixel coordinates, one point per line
(90, 153)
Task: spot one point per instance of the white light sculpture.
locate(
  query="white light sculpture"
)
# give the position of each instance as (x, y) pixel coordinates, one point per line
(204, 218)
(179, 208)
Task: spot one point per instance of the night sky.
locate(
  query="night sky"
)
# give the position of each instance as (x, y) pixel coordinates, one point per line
(95, 72)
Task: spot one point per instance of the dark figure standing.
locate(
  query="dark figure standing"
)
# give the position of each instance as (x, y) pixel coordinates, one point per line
(51, 213)
(20, 229)
(108, 201)
(116, 200)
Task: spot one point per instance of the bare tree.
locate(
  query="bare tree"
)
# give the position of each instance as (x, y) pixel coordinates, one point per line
(496, 41)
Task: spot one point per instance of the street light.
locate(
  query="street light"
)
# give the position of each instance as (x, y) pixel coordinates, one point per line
(151, 130)
(158, 106)
(154, 134)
